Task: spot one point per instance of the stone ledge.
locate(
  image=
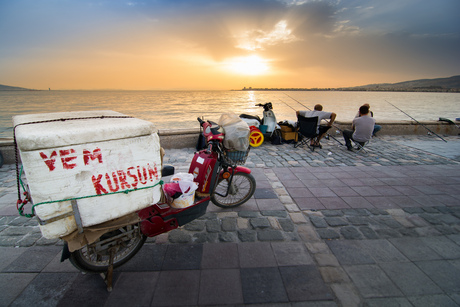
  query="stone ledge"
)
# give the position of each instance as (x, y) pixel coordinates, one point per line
(187, 138)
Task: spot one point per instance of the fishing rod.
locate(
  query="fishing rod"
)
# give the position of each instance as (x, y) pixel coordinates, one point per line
(442, 119)
(287, 105)
(416, 121)
(297, 102)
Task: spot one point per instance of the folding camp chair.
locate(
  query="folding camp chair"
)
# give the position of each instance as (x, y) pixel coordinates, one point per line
(360, 145)
(307, 130)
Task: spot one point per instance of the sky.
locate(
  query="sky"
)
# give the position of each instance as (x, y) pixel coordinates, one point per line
(225, 44)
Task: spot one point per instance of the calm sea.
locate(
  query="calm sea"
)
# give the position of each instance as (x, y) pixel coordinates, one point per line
(179, 109)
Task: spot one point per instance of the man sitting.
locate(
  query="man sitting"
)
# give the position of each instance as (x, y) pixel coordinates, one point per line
(377, 128)
(321, 129)
(362, 128)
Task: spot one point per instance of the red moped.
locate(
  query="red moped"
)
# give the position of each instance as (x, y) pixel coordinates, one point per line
(220, 179)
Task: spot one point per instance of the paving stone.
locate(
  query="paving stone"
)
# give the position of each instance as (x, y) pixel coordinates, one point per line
(196, 225)
(443, 247)
(388, 233)
(356, 212)
(408, 232)
(336, 221)
(413, 210)
(326, 260)
(259, 223)
(179, 236)
(432, 300)
(318, 222)
(443, 273)
(133, 289)
(184, 284)
(248, 214)
(348, 252)
(262, 285)
(376, 211)
(204, 237)
(346, 294)
(390, 301)
(368, 232)
(328, 234)
(350, 233)
(183, 257)
(332, 212)
(229, 224)
(213, 226)
(317, 247)
(307, 233)
(358, 220)
(269, 235)
(226, 287)
(227, 237)
(410, 279)
(277, 213)
(287, 225)
(371, 281)
(304, 283)
(246, 235)
(291, 254)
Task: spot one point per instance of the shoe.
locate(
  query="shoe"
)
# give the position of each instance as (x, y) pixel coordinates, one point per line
(350, 148)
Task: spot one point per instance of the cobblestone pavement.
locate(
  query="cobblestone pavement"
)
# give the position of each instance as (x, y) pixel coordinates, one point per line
(324, 228)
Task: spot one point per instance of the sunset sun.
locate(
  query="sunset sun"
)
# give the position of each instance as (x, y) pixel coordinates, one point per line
(249, 65)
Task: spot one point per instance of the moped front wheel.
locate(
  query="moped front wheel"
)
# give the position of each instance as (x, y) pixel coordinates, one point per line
(241, 189)
(122, 244)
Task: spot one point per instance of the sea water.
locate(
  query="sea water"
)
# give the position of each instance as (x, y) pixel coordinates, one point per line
(179, 109)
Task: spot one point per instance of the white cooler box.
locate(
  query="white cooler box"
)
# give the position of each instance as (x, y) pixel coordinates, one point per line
(85, 170)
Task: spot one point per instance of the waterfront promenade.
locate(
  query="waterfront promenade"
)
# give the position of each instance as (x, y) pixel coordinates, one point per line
(328, 228)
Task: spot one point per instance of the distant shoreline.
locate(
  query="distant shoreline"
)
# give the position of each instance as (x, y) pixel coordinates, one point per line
(424, 90)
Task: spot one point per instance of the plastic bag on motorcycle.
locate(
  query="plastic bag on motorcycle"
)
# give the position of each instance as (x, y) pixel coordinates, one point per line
(236, 132)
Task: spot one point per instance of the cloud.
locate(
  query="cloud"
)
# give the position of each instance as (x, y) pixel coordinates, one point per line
(295, 37)
(256, 39)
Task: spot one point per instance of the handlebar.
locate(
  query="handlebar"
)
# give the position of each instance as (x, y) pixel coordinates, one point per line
(211, 130)
(267, 106)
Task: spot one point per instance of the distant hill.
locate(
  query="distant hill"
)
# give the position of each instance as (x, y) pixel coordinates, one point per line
(12, 88)
(451, 84)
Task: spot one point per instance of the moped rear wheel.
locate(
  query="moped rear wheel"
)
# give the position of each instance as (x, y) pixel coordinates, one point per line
(124, 243)
(241, 190)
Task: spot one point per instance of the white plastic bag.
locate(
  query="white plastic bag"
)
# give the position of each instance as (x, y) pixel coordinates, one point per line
(236, 132)
(185, 181)
(187, 187)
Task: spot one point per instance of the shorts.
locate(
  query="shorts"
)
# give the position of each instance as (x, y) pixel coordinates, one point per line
(323, 129)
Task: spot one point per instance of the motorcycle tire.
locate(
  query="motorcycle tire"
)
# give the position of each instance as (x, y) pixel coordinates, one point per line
(95, 257)
(243, 187)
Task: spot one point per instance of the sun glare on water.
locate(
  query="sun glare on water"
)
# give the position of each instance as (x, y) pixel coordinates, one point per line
(250, 65)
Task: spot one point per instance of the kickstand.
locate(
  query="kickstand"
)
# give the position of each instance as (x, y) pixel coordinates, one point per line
(109, 275)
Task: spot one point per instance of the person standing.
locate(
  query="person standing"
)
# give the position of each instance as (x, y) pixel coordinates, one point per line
(362, 128)
(321, 128)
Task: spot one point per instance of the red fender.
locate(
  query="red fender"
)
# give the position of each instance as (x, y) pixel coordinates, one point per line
(238, 169)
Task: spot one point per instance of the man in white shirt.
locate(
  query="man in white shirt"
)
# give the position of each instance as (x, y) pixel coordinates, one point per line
(377, 128)
(321, 129)
(362, 126)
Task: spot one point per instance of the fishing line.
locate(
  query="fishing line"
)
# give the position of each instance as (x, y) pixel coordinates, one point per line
(416, 121)
(288, 105)
(298, 102)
